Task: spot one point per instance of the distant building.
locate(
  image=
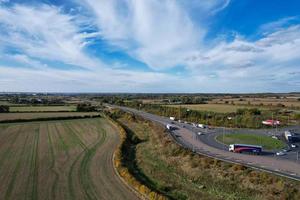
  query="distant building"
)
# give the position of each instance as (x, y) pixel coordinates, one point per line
(270, 122)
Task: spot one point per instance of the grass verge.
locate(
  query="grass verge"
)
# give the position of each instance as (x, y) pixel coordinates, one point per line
(266, 142)
(123, 157)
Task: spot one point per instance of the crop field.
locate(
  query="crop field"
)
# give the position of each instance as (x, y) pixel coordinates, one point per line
(41, 108)
(66, 159)
(220, 108)
(28, 116)
(265, 141)
(287, 102)
(4, 102)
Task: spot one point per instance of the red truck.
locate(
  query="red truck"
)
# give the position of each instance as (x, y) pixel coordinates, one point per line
(240, 148)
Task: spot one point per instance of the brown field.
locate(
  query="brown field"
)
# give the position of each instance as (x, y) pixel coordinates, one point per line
(27, 116)
(287, 102)
(67, 159)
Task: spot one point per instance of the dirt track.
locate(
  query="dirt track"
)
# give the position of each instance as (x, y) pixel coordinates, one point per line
(69, 159)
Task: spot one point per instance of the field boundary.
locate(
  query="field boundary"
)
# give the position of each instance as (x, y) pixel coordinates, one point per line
(49, 119)
(114, 161)
(125, 176)
(50, 111)
(124, 182)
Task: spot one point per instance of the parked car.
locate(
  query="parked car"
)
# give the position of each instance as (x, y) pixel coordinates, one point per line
(280, 153)
(201, 125)
(293, 145)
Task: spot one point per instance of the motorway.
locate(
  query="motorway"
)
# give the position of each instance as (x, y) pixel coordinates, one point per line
(186, 136)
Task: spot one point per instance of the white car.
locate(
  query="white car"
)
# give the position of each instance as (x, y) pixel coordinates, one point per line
(293, 145)
(280, 153)
(200, 133)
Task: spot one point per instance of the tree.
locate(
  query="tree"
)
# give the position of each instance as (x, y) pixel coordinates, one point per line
(4, 109)
(84, 107)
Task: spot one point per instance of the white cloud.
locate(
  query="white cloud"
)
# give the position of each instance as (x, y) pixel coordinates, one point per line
(155, 32)
(24, 60)
(275, 56)
(159, 33)
(45, 32)
(104, 80)
(208, 7)
(277, 25)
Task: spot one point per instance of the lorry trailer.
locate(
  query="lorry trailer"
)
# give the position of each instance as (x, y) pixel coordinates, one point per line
(240, 148)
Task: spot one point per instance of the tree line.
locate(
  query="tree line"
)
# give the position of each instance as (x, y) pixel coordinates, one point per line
(242, 118)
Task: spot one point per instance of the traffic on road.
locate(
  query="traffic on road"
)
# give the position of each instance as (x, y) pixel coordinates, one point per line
(202, 140)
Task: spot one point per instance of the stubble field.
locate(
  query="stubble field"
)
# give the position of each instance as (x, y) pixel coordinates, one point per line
(67, 159)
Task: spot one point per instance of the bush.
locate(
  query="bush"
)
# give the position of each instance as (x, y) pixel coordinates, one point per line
(4, 109)
(83, 107)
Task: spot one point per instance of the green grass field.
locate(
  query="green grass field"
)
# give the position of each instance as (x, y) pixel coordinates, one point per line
(238, 138)
(41, 108)
(220, 108)
(4, 102)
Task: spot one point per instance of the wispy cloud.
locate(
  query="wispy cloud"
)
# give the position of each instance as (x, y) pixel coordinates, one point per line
(277, 25)
(45, 32)
(276, 54)
(164, 35)
(105, 80)
(203, 8)
(155, 32)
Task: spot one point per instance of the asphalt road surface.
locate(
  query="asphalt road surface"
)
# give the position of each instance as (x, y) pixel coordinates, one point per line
(186, 136)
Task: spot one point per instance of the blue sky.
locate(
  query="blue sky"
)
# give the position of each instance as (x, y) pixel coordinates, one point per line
(149, 46)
